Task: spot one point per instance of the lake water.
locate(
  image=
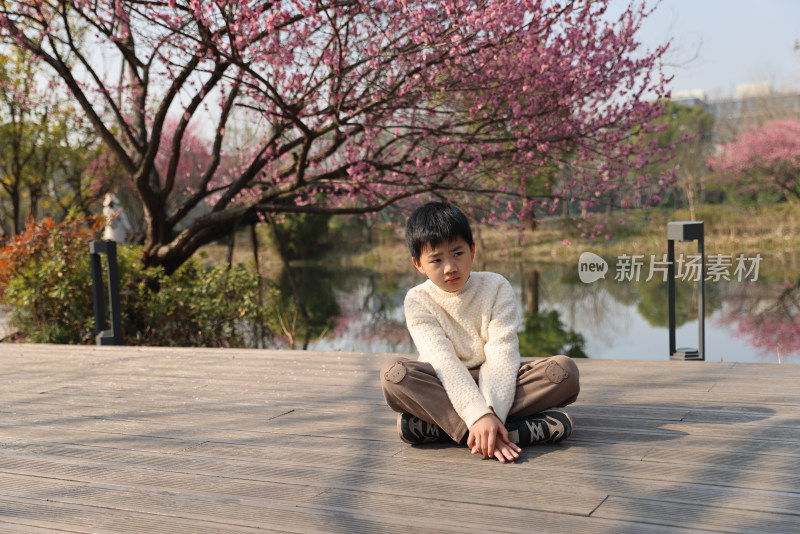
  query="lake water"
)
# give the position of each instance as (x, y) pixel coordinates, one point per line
(747, 320)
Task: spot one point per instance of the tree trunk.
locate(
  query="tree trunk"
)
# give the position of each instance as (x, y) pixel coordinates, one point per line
(258, 334)
(15, 210)
(33, 204)
(533, 292)
(231, 246)
(254, 243)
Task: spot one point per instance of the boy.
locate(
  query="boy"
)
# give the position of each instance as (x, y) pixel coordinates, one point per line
(467, 383)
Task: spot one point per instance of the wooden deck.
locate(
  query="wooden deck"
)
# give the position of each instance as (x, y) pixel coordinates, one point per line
(195, 440)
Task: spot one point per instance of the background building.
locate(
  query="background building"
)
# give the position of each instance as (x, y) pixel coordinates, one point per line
(753, 104)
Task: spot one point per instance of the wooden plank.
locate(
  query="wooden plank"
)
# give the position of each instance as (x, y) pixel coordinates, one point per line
(651, 412)
(737, 460)
(550, 461)
(19, 512)
(276, 447)
(228, 444)
(694, 516)
(175, 520)
(544, 462)
(148, 480)
(650, 471)
(763, 430)
(344, 472)
(8, 528)
(611, 443)
(642, 397)
(29, 486)
(302, 441)
(475, 516)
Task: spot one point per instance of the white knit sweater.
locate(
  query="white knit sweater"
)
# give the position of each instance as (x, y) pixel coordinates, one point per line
(475, 326)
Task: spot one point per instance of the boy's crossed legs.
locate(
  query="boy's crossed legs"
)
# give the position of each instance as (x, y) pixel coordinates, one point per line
(412, 387)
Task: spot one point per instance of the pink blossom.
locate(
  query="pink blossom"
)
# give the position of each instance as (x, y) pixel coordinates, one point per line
(765, 156)
(363, 103)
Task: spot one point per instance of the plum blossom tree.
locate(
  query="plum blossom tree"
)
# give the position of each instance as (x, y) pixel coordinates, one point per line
(194, 158)
(764, 157)
(360, 104)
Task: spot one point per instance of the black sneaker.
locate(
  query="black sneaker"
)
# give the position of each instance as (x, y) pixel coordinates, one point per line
(549, 426)
(415, 431)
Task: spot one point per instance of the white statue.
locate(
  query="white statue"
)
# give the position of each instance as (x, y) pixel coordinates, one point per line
(117, 225)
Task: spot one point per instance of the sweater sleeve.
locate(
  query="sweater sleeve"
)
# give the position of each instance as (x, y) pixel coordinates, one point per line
(436, 348)
(498, 375)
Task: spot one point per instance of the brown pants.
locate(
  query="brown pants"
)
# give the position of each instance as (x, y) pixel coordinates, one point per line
(412, 387)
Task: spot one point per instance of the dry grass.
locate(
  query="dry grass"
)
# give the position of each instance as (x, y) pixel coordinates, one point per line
(771, 231)
(215, 254)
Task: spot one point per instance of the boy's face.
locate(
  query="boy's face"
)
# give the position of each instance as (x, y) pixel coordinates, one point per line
(447, 265)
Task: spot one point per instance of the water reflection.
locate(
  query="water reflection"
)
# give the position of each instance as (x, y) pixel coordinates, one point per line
(370, 317)
(767, 317)
(308, 307)
(362, 310)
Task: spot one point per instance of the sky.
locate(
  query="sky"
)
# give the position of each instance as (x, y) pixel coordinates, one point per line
(719, 44)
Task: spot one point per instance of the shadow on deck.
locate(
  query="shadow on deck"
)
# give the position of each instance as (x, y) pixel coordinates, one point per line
(107, 439)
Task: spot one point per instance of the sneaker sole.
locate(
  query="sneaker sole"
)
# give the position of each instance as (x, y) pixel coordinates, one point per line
(400, 430)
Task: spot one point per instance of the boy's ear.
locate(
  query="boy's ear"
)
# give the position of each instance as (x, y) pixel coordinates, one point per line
(472, 250)
(417, 264)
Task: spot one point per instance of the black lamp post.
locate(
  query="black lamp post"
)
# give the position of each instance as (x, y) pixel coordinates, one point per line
(686, 231)
(103, 336)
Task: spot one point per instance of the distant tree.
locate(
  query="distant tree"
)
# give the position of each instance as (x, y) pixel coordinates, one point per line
(27, 117)
(764, 158)
(49, 158)
(688, 136)
(83, 170)
(360, 104)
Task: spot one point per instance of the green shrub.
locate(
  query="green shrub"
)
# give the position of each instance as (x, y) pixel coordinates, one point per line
(45, 279)
(195, 306)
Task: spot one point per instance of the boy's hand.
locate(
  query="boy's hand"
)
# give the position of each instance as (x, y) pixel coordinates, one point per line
(489, 437)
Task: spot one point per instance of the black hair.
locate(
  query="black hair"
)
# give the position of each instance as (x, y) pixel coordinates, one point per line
(435, 223)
